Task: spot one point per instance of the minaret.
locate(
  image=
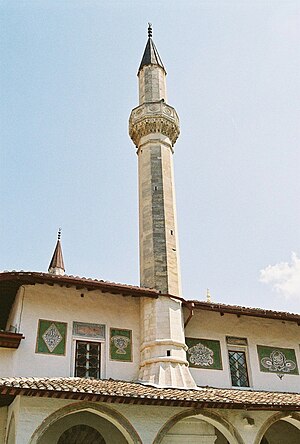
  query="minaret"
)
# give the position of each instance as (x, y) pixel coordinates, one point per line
(57, 262)
(154, 129)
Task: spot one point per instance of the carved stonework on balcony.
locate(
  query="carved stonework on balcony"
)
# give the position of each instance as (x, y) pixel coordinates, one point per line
(151, 118)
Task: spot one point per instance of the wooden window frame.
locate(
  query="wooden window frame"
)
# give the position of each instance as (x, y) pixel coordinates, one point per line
(100, 357)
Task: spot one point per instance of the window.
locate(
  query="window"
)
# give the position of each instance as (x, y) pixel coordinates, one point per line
(238, 368)
(88, 350)
(87, 359)
(237, 353)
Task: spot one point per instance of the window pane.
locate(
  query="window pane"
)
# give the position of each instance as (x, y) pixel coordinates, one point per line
(238, 368)
(87, 359)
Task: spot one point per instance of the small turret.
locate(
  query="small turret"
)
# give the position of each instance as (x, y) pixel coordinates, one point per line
(151, 56)
(151, 74)
(57, 262)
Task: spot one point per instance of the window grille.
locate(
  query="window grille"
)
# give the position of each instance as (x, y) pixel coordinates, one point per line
(238, 368)
(87, 359)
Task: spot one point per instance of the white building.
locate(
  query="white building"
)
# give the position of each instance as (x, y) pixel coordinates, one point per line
(89, 361)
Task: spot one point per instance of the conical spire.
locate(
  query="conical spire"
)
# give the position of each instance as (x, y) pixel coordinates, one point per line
(151, 56)
(57, 262)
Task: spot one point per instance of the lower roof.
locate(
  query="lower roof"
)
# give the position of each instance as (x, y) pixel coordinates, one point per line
(109, 390)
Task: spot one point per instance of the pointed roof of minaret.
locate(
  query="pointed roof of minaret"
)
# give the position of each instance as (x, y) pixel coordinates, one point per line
(151, 56)
(57, 262)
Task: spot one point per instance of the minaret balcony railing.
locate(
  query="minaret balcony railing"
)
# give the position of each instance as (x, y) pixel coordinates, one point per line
(154, 117)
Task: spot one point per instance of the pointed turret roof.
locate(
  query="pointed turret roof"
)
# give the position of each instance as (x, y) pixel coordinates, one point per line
(57, 262)
(151, 56)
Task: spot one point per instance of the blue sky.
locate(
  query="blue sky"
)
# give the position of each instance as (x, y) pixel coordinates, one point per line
(68, 83)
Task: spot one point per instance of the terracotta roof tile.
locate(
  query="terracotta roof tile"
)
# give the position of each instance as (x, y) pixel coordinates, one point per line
(248, 311)
(119, 391)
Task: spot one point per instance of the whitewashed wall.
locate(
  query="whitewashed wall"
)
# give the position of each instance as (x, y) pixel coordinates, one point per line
(258, 331)
(62, 304)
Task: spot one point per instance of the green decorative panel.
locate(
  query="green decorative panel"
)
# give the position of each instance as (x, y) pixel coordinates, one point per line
(51, 337)
(204, 353)
(277, 360)
(120, 345)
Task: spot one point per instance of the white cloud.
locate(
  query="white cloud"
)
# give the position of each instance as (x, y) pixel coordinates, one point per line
(284, 277)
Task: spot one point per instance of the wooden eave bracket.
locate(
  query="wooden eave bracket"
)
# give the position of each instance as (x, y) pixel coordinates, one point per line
(10, 340)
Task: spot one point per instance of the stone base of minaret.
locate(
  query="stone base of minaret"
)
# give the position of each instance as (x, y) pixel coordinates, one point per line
(163, 348)
(167, 374)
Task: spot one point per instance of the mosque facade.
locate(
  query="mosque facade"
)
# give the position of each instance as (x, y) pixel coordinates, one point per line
(93, 362)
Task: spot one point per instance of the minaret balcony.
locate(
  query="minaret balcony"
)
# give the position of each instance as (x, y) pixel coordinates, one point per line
(153, 117)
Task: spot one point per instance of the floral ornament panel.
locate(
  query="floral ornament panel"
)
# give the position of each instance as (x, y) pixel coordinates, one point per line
(120, 345)
(277, 360)
(51, 337)
(204, 353)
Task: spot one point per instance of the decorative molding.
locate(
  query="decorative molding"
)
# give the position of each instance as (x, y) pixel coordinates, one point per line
(163, 342)
(154, 108)
(88, 330)
(232, 340)
(151, 118)
(160, 359)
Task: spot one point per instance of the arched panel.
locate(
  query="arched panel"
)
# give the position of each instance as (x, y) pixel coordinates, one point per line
(112, 426)
(280, 426)
(189, 422)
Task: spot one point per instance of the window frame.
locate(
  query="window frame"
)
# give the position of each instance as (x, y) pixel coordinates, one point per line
(243, 349)
(103, 357)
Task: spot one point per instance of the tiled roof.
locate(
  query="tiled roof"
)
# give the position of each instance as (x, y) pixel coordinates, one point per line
(32, 277)
(247, 311)
(27, 277)
(129, 392)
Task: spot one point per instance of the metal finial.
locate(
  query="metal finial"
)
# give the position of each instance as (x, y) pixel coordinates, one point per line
(149, 29)
(59, 234)
(208, 297)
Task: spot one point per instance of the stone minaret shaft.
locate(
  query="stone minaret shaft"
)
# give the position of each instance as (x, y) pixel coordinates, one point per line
(154, 128)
